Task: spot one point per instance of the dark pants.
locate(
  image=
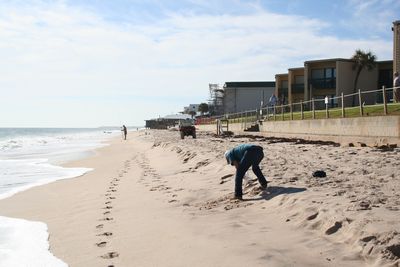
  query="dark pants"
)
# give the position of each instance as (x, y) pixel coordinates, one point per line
(252, 157)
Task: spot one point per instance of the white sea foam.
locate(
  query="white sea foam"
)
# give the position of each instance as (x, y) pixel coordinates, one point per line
(20, 174)
(24, 243)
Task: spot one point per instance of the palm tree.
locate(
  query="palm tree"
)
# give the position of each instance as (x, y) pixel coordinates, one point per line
(362, 60)
(203, 108)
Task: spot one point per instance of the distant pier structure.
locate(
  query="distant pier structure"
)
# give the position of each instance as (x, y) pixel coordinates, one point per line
(396, 46)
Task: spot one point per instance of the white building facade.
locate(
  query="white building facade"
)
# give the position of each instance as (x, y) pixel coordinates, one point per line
(244, 96)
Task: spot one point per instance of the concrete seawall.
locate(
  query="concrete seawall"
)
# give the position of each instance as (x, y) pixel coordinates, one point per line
(376, 130)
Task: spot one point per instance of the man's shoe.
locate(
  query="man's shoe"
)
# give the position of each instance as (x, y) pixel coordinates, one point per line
(235, 197)
(265, 186)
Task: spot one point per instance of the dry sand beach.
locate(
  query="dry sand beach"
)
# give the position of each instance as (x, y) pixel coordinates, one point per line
(156, 200)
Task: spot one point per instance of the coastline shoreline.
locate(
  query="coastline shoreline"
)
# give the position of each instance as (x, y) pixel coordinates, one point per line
(157, 200)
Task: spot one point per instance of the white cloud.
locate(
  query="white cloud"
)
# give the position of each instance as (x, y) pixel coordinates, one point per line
(372, 16)
(58, 51)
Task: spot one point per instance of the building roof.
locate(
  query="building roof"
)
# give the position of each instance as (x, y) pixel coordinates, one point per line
(172, 117)
(327, 60)
(298, 68)
(177, 117)
(281, 74)
(385, 62)
(249, 84)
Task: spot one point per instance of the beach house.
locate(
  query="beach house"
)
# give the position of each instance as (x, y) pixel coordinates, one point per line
(242, 96)
(331, 77)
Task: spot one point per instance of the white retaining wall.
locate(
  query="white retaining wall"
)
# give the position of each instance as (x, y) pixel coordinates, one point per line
(373, 130)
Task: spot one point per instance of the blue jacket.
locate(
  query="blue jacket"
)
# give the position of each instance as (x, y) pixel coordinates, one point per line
(237, 153)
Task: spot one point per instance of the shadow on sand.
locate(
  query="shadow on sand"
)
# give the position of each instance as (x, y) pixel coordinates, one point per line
(274, 191)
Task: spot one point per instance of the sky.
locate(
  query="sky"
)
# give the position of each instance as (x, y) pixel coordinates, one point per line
(94, 63)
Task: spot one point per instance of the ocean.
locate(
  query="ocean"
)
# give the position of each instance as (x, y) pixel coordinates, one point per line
(30, 157)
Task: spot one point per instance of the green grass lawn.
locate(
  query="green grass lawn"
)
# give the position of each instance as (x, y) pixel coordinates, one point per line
(351, 112)
(371, 110)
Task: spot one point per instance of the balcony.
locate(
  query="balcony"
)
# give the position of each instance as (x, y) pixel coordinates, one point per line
(329, 83)
(297, 88)
(283, 91)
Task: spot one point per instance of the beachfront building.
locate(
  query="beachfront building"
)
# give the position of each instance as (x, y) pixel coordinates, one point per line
(296, 85)
(282, 87)
(332, 77)
(396, 45)
(191, 109)
(167, 121)
(242, 96)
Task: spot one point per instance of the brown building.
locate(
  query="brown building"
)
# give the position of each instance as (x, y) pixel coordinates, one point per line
(332, 77)
(396, 45)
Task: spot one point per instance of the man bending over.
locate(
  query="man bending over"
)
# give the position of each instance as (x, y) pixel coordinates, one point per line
(242, 157)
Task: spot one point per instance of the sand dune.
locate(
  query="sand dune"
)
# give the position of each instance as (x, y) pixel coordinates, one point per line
(156, 200)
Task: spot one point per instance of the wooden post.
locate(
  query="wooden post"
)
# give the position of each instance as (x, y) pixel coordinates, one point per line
(283, 112)
(274, 113)
(343, 112)
(301, 109)
(384, 100)
(313, 108)
(359, 101)
(267, 113)
(291, 111)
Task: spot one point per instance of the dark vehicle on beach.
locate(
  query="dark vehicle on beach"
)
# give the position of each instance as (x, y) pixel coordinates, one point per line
(186, 128)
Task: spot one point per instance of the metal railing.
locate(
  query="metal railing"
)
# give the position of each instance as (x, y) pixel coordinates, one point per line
(362, 103)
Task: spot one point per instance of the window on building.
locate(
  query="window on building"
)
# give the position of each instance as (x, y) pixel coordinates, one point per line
(330, 73)
(299, 79)
(317, 74)
(323, 78)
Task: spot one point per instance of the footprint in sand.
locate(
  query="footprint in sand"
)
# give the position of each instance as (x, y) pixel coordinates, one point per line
(105, 234)
(106, 212)
(333, 229)
(110, 255)
(312, 217)
(101, 244)
(99, 226)
(107, 219)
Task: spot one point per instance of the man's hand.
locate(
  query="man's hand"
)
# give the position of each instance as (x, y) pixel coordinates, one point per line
(236, 164)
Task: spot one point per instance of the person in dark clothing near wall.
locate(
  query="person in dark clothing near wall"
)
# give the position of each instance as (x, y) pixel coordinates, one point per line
(242, 157)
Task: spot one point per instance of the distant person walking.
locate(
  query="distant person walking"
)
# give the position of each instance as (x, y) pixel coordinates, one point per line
(242, 157)
(273, 100)
(124, 130)
(396, 87)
